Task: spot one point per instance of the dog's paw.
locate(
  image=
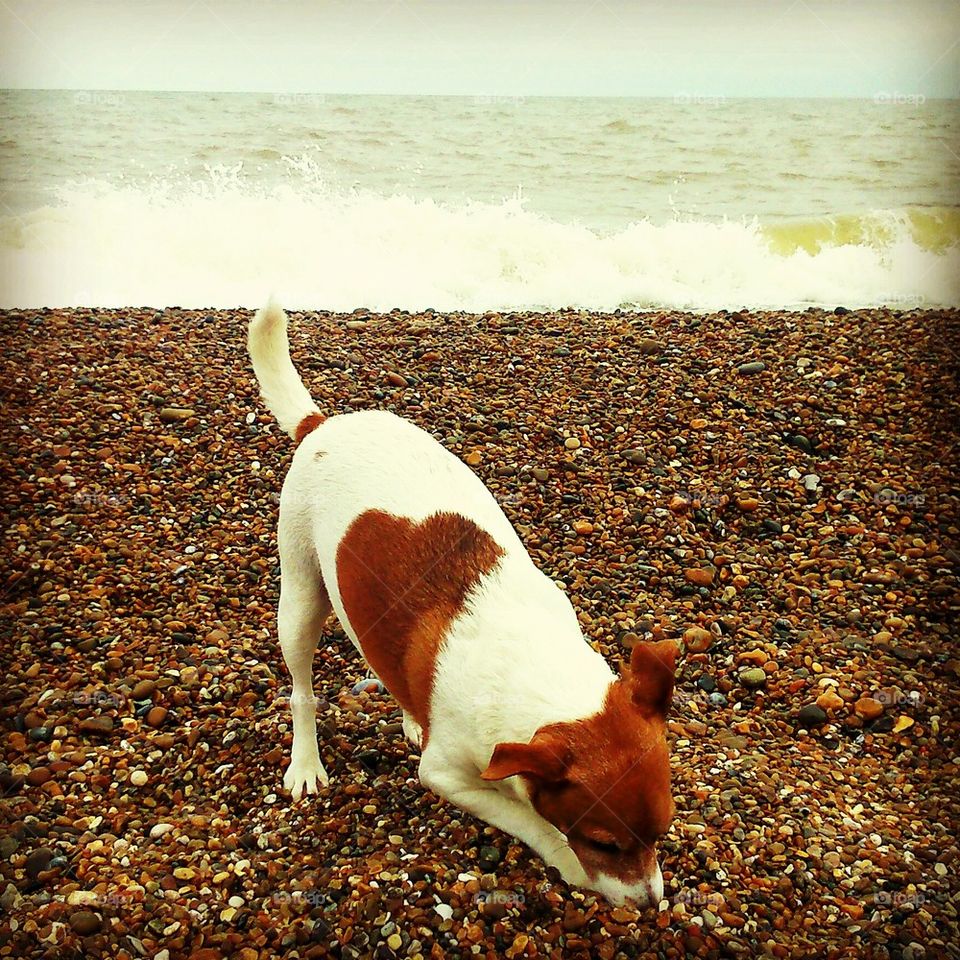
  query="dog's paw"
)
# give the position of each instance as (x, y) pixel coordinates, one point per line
(412, 731)
(304, 776)
(565, 860)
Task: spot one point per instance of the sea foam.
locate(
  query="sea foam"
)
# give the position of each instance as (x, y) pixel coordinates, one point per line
(220, 244)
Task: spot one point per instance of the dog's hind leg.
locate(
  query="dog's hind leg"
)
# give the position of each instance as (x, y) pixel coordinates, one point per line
(304, 606)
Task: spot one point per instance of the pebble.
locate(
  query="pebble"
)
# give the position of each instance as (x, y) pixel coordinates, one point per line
(701, 576)
(706, 683)
(156, 715)
(85, 922)
(10, 899)
(755, 366)
(812, 715)
(753, 677)
(175, 414)
(38, 776)
(489, 857)
(903, 723)
(37, 861)
(830, 700)
(138, 778)
(698, 640)
(97, 725)
(868, 708)
(146, 595)
(143, 690)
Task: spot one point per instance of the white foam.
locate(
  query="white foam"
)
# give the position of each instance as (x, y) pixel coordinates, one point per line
(219, 244)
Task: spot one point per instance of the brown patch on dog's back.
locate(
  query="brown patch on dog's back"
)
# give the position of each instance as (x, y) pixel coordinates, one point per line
(402, 584)
(307, 425)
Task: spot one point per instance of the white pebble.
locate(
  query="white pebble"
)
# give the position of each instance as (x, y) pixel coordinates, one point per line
(138, 778)
(159, 829)
(82, 898)
(445, 910)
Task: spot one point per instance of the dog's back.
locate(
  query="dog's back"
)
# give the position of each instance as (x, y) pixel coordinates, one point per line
(376, 460)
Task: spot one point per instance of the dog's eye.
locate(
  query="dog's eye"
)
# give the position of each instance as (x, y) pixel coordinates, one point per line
(603, 846)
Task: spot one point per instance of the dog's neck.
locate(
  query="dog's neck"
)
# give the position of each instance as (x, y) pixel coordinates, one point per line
(520, 661)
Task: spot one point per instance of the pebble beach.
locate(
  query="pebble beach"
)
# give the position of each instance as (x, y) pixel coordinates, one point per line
(775, 490)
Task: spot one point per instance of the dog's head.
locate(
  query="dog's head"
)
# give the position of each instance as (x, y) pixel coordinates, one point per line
(604, 781)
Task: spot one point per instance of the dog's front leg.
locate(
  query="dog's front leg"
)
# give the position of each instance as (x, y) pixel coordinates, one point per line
(512, 817)
(412, 730)
(304, 606)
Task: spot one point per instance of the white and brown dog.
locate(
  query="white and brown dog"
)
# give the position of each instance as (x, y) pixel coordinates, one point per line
(519, 720)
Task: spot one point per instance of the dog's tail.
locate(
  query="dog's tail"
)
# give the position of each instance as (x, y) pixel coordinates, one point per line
(280, 384)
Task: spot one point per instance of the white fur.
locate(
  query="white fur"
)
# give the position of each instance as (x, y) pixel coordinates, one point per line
(514, 660)
(648, 890)
(282, 389)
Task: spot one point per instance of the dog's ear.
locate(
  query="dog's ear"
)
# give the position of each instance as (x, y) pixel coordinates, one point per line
(652, 669)
(544, 757)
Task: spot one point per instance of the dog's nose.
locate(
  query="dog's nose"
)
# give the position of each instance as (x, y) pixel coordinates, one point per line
(649, 894)
(651, 891)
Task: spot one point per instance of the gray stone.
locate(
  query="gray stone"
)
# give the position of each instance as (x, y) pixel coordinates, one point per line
(812, 715)
(753, 677)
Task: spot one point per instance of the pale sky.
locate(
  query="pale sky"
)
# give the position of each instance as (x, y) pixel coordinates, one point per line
(488, 47)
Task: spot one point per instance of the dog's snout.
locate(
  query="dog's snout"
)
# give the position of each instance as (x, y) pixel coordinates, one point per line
(647, 892)
(655, 887)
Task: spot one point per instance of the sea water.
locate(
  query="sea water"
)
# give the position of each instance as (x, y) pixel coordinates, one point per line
(476, 203)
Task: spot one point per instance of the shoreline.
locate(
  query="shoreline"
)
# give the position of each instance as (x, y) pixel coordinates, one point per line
(146, 312)
(795, 526)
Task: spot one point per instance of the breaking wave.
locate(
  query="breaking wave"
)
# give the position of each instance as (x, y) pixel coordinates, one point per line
(222, 244)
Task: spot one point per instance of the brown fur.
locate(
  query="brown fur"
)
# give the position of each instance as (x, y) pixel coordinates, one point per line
(606, 778)
(402, 584)
(307, 425)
